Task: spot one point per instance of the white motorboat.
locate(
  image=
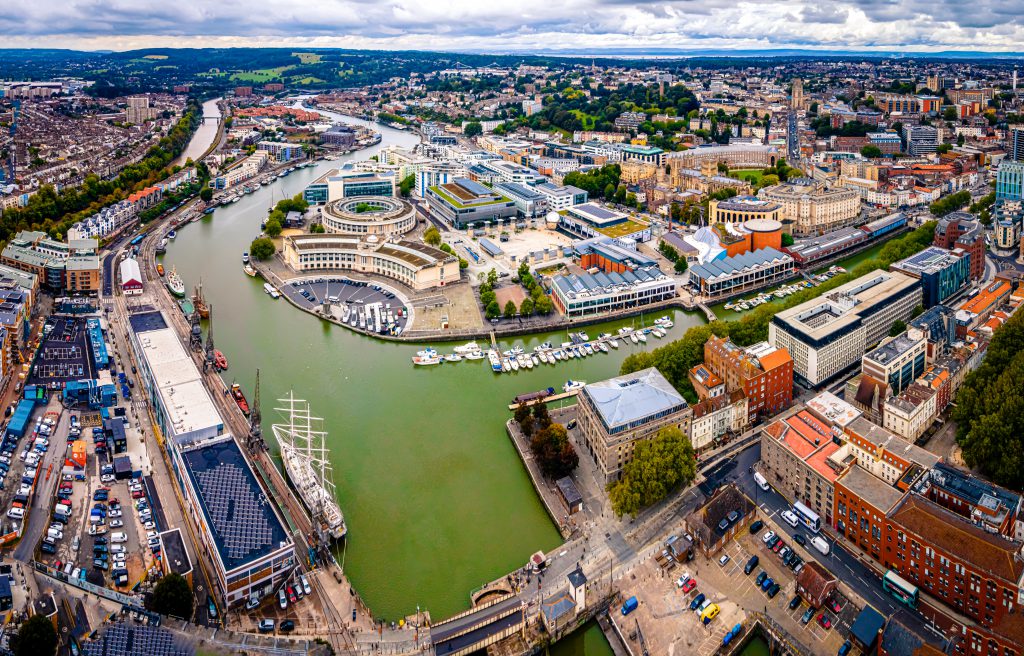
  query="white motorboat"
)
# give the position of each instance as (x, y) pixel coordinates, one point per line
(454, 357)
(467, 348)
(475, 355)
(634, 338)
(573, 385)
(614, 343)
(603, 347)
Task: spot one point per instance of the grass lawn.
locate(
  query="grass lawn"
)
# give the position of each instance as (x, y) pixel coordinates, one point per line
(155, 57)
(307, 80)
(588, 120)
(260, 75)
(743, 174)
(308, 57)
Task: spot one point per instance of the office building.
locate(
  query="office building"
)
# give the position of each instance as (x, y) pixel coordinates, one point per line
(529, 202)
(898, 362)
(615, 414)
(1010, 180)
(561, 198)
(1007, 220)
(588, 294)
(464, 203)
(762, 372)
(591, 220)
(943, 273)
(1015, 143)
(962, 230)
(348, 182)
(811, 208)
(921, 139)
(71, 266)
(369, 215)
(827, 335)
(415, 265)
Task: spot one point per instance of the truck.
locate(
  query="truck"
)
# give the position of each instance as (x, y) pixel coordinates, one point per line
(820, 544)
(631, 605)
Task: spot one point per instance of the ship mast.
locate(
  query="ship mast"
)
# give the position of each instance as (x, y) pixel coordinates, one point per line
(210, 354)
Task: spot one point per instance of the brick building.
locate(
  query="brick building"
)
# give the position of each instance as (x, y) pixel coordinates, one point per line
(962, 230)
(762, 372)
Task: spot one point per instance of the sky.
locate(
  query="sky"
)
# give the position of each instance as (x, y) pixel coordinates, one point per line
(572, 26)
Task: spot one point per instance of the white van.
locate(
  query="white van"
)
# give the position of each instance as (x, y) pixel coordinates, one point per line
(16, 513)
(790, 518)
(820, 544)
(761, 481)
(118, 537)
(55, 533)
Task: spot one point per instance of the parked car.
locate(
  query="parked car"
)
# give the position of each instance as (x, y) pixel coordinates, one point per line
(282, 599)
(807, 616)
(697, 601)
(266, 625)
(834, 605)
(794, 602)
(768, 537)
(760, 578)
(689, 586)
(723, 560)
(756, 526)
(824, 621)
(305, 584)
(800, 539)
(287, 625)
(774, 590)
(751, 564)
(291, 595)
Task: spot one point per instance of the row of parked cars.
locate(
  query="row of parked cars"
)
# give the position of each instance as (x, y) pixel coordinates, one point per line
(292, 592)
(31, 455)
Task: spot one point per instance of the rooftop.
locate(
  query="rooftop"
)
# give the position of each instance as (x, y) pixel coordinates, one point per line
(929, 261)
(891, 350)
(883, 438)
(730, 266)
(241, 519)
(871, 489)
(597, 215)
(634, 399)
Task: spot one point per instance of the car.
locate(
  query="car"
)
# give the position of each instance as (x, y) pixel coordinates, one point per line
(292, 597)
(794, 561)
(149, 526)
(690, 586)
(287, 625)
(100, 564)
(834, 606)
(824, 621)
(107, 478)
(789, 557)
(48, 548)
(807, 616)
(723, 525)
(681, 581)
(767, 537)
(16, 513)
(751, 564)
(75, 573)
(150, 534)
(116, 523)
(697, 601)
(723, 560)
(794, 602)
(138, 494)
(117, 549)
(306, 588)
(282, 599)
(732, 517)
(798, 568)
(773, 590)
(760, 578)
(767, 583)
(844, 649)
(99, 539)
(115, 512)
(266, 625)
(756, 527)
(800, 539)
(778, 546)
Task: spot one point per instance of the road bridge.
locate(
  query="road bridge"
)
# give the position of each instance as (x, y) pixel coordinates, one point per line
(474, 630)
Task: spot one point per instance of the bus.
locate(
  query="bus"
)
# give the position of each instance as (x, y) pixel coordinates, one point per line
(807, 517)
(137, 240)
(900, 588)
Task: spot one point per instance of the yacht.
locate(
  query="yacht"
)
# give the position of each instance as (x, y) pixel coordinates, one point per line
(634, 338)
(641, 336)
(467, 348)
(603, 347)
(573, 385)
(614, 343)
(454, 357)
(514, 362)
(475, 355)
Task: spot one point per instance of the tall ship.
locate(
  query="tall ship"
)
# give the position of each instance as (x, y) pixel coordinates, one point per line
(175, 283)
(199, 302)
(304, 455)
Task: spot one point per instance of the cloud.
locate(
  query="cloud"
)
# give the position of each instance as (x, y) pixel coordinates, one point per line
(527, 25)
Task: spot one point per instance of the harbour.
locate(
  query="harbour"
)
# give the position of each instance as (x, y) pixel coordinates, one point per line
(453, 480)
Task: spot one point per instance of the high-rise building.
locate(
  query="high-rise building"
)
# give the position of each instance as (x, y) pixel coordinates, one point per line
(138, 111)
(921, 139)
(1015, 143)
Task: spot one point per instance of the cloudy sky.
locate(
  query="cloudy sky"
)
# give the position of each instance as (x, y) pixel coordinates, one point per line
(578, 26)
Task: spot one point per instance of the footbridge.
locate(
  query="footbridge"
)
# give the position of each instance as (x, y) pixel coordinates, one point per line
(475, 629)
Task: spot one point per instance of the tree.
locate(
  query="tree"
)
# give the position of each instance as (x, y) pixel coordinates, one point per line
(472, 129)
(432, 236)
(273, 228)
(540, 415)
(543, 305)
(949, 114)
(609, 191)
(406, 186)
(898, 328)
(262, 249)
(36, 637)
(317, 228)
(681, 266)
(787, 239)
(206, 194)
(871, 151)
(492, 310)
(492, 277)
(943, 148)
(553, 451)
(510, 309)
(659, 466)
(526, 307)
(172, 596)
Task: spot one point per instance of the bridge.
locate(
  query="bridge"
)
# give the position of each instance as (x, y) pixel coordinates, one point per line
(474, 630)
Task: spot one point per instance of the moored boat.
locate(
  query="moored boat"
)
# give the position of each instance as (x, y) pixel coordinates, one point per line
(573, 385)
(220, 362)
(236, 393)
(199, 302)
(249, 271)
(160, 269)
(175, 284)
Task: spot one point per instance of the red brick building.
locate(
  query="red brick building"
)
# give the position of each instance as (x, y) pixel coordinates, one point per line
(762, 372)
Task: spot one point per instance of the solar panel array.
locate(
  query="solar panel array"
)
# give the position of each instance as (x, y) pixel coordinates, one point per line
(124, 639)
(238, 514)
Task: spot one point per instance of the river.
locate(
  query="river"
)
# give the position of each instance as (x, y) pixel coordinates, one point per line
(204, 135)
(436, 499)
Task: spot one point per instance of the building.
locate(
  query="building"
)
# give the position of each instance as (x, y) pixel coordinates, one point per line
(436, 174)
(898, 362)
(561, 198)
(962, 230)
(131, 277)
(884, 454)
(644, 154)
(281, 151)
(368, 215)
(921, 139)
(463, 203)
(590, 220)
(889, 143)
(827, 335)
(724, 278)
(610, 256)
(977, 309)
(1007, 220)
(340, 136)
(348, 183)
(138, 111)
(71, 267)
(762, 372)
(740, 209)
(588, 294)
(615, 414)
(1010, 180)
(815, 584)
(415, 265)
(811, 208)
(735, 156)
(796, 97)
(717, 416)
(1015, 143)
(629, 120)
(911, 412)
(529, 202)
(943, 273)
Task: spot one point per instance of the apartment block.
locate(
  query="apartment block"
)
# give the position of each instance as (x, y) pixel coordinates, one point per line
(764, 373)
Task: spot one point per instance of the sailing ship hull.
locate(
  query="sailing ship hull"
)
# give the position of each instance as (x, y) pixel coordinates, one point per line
(313, 496)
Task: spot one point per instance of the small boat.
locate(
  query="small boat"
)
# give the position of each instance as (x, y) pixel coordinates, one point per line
(271, 290)
(245, 258)
(161, 248)
(543, 357)
(467, 348)
(536, 360)
(426, 361)
(634, 338)
(514, 363)
(453, 357)
(603, 347)
(175, 284)
(236, 392)
(475, 355)
(492, 357)
(172, 234)
(506, 365)
(614, 343)
(428, 352)
(186, 307)
(573, 385)
(641, 336)
(220, 363)
(249, 271)
(529, 362)
(160, 269)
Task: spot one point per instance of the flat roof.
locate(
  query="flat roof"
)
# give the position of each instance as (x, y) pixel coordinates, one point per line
(871, 489)
(596, 214)
(174, 553)
(833, 409)
(931, 260)
(240, 517)
(634, 398)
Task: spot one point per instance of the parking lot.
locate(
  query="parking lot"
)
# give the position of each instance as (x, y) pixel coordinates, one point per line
(352, 302)
(64, 354)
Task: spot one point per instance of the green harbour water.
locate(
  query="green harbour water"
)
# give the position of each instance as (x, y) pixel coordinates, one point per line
(436, 499)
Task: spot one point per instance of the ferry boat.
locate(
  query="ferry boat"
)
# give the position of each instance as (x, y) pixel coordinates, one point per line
(236, 393)
(304, 456)
(573, 385)
(160, 270)
(220, 363)
(161, 248)
(249, 271)
(271, 290)
(175, 284)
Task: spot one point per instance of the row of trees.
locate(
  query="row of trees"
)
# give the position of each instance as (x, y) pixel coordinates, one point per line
(659, 467)
(54, 212)
(989, 410)
(672, 255)
(675, 359)
(950, 203)
(549, 441)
